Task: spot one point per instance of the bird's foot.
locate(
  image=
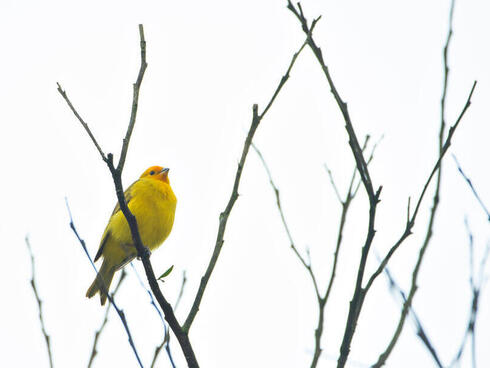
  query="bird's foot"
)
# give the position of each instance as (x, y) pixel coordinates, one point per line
(146, 252)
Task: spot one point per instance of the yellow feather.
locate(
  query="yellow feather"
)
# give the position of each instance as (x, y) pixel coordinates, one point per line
(153, 203)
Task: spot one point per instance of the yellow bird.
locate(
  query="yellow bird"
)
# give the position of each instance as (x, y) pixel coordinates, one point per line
(153, 202)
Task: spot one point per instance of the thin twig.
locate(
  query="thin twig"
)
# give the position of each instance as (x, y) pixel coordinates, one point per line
(306, 264)
(104, 322)
(84, 124)
(409, 226)
(332, 181)
(353, 141)
(136, 93)
(345, 203)
(353, 176)
(166, 335)
(435, 204)
(152, 300)
(475, 193)
(158, 349)
(423, 336)
(223, 218)
(39, 302)
(359, 292)
(476, 286)
(371, 156)
(321, 299)
(120, 312)
(166, 338)
(181, 292)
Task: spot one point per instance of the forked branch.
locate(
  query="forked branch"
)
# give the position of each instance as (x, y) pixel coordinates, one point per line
(223, 217)
(362, 168)
(120, 312)
(116, 173)
(322, 297)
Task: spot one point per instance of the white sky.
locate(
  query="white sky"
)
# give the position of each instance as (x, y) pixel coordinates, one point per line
(208, 63)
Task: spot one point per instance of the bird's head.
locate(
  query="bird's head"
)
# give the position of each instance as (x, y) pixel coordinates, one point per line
(156, 173)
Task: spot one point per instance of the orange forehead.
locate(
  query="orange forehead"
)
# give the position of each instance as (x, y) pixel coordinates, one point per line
(155, 169)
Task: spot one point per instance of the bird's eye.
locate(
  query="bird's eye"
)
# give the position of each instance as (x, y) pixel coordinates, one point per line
(152, 172)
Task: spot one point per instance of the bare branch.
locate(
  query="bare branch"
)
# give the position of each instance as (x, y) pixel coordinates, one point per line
(353, 141)
(435, 204)
(332, 181)
(306, 264)
(39, 302)
(446, 146)
(143, 252)
(136, 93)
(408, 229)
(152, 300)
(158, 349)
(223, 218)
(446, 75)
(166, 334)
(350, 195)
(166, 338)
(346, 202)
(371, 156)
(322, 300)
(359, 293)
(104, 322)
(120, 312)
(476, 286)
(181, 292)
(472, 187)
(416, 320)
(85, 125)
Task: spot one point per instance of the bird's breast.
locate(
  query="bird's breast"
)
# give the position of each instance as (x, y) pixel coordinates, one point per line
(154, 207)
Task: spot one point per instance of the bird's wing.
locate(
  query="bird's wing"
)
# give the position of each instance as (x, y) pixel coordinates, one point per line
(127, 197)
(105, 237)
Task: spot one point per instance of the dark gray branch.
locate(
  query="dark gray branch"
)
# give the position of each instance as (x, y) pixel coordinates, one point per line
(411, 222)
(223, 218)
(134, 107)
(84, 124)
(165, 328)
(143, 252)
(321, 299)
(104, 322)
(166, 337)
(435, 204)
(120, 312)
(306, 264)
(421, 333)
(359, 293)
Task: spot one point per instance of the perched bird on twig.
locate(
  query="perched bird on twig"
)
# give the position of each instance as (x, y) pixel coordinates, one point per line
(152, 201)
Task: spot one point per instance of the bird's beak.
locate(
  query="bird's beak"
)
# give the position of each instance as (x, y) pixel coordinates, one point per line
(165, 170)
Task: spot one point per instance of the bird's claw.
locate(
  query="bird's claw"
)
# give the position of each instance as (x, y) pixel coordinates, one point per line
(146, 252)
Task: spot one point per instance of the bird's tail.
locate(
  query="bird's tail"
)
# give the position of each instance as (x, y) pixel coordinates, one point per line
(102, 282)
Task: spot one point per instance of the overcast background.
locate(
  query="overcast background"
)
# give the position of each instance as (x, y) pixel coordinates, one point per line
(209, 61)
